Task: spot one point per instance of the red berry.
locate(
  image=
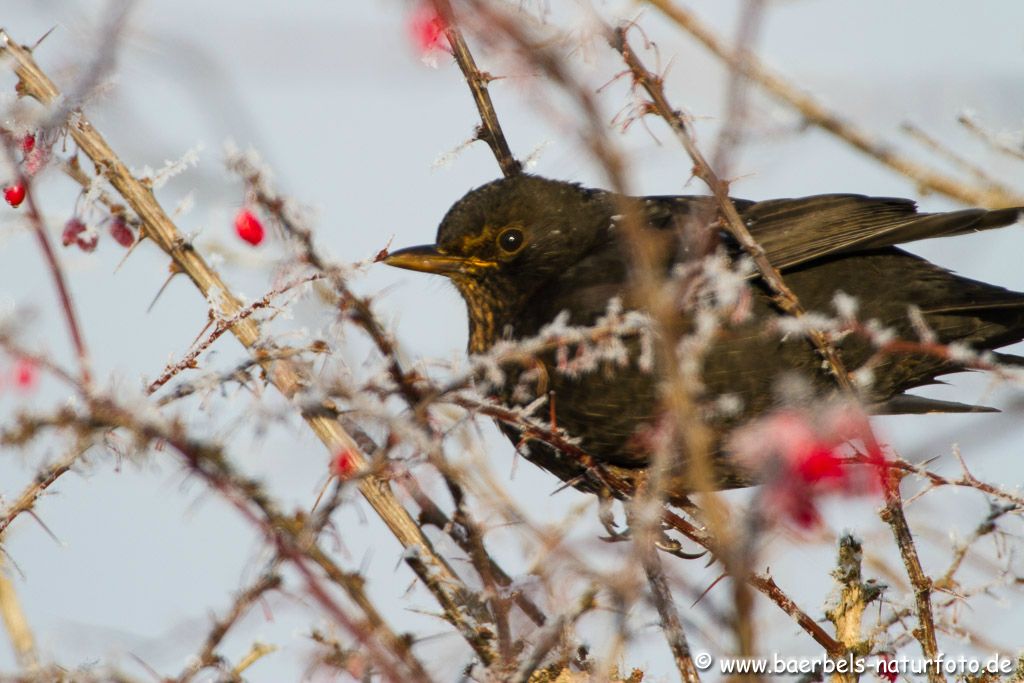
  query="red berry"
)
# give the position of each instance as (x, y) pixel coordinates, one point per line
(88, 240)
(121, 233)
(15, 194)
(820, 463)
(248, 227)
(343, 465)
(28, 143)
(72, 229)
(427, 28)
(35, 160)
(25, 374)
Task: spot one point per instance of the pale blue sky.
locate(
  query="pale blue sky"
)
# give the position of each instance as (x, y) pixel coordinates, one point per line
(334, 97)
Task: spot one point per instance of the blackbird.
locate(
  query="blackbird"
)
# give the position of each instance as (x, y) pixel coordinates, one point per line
(524, 250)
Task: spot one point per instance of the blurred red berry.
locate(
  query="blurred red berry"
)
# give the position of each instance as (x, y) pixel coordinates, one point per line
(887, 669)
(248, 227)
(28, 143)
(72, 229)
(800, 456)
(25, 374)
(36, 160)
(15, 194)
(121, 233)
(820, 464)
(427, 28)
(87, 240)
(344, 464)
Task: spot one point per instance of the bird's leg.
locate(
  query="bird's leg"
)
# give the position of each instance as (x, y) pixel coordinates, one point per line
(606, 513)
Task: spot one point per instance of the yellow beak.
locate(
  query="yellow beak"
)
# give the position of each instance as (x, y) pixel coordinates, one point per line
(427, 259)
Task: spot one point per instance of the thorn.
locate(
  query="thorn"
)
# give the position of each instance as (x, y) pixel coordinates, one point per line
(49, 532)
(708, 589)
(570, 483)
(320, 495)
(174, 271)
(128, 253)
(42, 38)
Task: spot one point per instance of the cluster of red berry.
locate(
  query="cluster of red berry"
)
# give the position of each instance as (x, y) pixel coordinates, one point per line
(15, 194)
(35, 157)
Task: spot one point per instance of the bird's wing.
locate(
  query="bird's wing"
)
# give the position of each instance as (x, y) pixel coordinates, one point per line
(911, 404)
(794, 231)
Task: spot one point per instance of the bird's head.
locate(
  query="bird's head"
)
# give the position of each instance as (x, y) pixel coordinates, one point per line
(503, 241)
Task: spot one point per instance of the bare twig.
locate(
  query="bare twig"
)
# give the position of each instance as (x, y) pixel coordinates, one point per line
(989, 138)
(42, 481)
(16, 623)
(243, 601)
(671, 625)
(188, 361)
(440, 579)
(490, 129)
(35, 218)
(816, 114)
(892, 514)
(255, 653)
(854, 596)
(943, 150)
(549, 637)
(784, 296)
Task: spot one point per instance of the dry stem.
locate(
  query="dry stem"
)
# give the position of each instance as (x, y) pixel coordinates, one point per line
(816, 114)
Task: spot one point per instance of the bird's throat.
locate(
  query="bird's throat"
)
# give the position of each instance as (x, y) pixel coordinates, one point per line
(489, 312)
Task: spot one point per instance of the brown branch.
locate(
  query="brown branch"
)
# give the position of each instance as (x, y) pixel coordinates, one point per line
(43, 480)
(947, 582)
(243, 601)
(188, 361)
(816, 114)
(671, 625)
(892, 514)
(622, 486)
(439, 578)
(680, 125)
(763, 583)
(966, 480)
(289, 534)
(67, 303)
(854, 597)
(16, 623)
(968, 122)
(550, 636)
(431, 514)
(410, 387)
(943, 150)
(766, 584)
(490, 129)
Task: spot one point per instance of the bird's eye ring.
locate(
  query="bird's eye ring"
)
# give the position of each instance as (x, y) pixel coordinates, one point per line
(511, 240)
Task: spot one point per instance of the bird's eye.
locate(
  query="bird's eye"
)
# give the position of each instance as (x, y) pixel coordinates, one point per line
(511, 240)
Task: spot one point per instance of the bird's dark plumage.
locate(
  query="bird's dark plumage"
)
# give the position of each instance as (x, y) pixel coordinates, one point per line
(522, 250)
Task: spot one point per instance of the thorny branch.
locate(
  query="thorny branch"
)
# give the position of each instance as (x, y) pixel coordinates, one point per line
(431, 568)
(490, 129)
(415, 390)
(208, 656)
(294, 538)
(894, 516)
(816, 114)
(35, 217)
(784, 296)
